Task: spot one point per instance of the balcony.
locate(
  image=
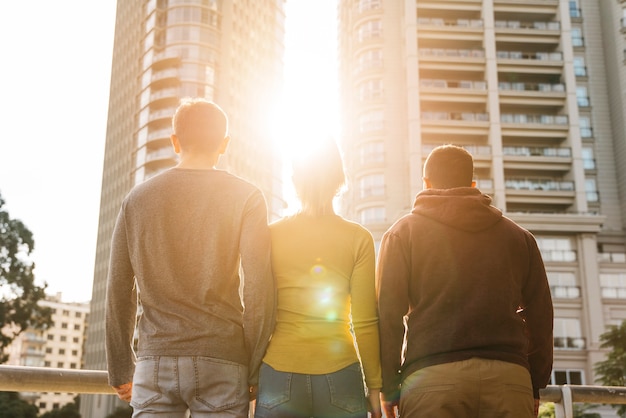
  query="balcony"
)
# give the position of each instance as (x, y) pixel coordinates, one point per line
(457, 59)
(455, 123)
(543, 159)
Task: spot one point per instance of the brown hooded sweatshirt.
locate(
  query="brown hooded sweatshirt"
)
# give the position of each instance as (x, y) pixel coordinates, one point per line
(470, 282)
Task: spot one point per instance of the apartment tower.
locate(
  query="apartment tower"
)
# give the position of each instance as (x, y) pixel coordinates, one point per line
(229, 51)
(534, 89)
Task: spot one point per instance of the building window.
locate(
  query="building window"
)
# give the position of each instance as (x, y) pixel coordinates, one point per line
(64, 325)
(582, 97)
(48, 350)
(577, 37)
(574, 9)
(369, 30)
(63, 338)
(371, 121)
(365, 5)
(75, 339)
(372, 185)
(46, 364)
(61, 351)
(591, 190)
(557, 249)
(372, 58)
(567, 377)
(372, 152)
(50, 337)
(567, 334)
(72, 365)
(74, 352)
(589, 163)
(613, 285)
(372, 215)
(77, 327)
(580, 70)
(60, 364)
(78, 314)
(371, 89)
(585, 127)
(563, 285)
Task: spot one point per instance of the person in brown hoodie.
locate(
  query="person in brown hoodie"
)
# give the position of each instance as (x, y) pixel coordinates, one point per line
(465, 309)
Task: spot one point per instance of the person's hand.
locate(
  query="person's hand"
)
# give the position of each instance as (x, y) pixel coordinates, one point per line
(536, 407)
(125, 391)
(390, 407)
(253, 392)
(373, 403)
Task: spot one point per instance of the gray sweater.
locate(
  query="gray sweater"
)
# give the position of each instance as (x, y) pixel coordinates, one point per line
(185, 236)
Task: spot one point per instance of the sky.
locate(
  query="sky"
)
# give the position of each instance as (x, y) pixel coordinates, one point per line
(54, 89)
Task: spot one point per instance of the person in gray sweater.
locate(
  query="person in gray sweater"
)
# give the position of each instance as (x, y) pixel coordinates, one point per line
(181, 240)
(465, 311)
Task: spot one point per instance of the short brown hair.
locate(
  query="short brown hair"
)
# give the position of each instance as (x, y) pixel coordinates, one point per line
(199, 124)
(449, 166)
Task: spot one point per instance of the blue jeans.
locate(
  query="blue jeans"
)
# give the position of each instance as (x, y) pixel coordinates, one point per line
(289, 395)
(169, 387)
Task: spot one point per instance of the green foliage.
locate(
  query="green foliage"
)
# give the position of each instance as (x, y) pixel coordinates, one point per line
(18, 292)
(612, 371)
(12, 406)
(121, 412)
(546, 410)
(70, 410)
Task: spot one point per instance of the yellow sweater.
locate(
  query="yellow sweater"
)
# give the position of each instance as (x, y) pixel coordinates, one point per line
(327, 316)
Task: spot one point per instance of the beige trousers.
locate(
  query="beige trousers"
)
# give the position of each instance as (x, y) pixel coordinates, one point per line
(474, 388)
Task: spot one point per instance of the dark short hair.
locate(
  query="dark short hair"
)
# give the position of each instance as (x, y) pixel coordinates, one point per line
(449, 166)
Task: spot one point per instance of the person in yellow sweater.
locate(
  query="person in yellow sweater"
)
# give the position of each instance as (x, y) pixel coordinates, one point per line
(325, 344)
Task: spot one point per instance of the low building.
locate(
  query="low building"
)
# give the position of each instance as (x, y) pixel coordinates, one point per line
(60, 346)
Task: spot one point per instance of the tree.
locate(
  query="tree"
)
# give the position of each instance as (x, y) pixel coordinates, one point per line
(121, 412)
(12, 406)
(70, 410)
(612, 371)
(546, 410)
(19, 295)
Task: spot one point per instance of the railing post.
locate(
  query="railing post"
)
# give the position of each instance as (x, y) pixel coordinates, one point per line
(568, 404)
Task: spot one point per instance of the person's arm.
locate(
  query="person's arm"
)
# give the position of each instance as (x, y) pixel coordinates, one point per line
(392, 275)
(259, 290)
(364, 312)
(373, 400)
(120, 311)
(538, 313)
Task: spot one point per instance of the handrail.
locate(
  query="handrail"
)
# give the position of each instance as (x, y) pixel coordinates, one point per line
(47, 379)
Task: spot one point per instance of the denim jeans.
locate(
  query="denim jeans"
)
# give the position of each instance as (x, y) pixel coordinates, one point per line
(169, 387)
(289, 395)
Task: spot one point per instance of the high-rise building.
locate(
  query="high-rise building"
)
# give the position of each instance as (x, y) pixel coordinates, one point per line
(229, 51)
(59, 346)
(534, 89)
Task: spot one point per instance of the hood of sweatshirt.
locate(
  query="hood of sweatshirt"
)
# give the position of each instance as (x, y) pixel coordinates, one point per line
(464, 208)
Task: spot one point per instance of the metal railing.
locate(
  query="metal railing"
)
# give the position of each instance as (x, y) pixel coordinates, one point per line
(46, 379)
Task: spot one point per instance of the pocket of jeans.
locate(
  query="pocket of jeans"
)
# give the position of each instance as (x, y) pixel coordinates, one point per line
(274, 387)
(145, 382)
(220, 384)
(347, 390)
